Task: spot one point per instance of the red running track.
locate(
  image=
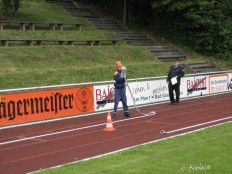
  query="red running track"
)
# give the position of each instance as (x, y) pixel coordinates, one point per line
(30, 148)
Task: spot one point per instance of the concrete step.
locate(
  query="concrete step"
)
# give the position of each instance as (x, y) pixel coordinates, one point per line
(135, 38)
(140, 43)
(65, 4)
(206, 70)
(199, 64)
(201, 67)
(138, 40)
(107, 25)
(160, 50)
(59, 0)
(83, 14)
(102, 22)
(170, 56)
(132, 35)
(73, 8)
(167, 59)
(131, 39)
(164, 50)
(166, 53)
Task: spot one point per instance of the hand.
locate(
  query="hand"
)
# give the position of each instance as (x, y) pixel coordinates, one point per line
(123, 69)
(122, 74)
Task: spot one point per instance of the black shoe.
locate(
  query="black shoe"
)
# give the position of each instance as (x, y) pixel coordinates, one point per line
(127, 114)
(171, 103)
(114, 117)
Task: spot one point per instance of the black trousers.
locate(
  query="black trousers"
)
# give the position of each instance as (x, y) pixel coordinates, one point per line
(175, 87)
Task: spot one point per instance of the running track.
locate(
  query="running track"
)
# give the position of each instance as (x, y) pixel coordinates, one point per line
(30, 148)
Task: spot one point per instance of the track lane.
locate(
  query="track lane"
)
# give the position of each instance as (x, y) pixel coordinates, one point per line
(77, 145)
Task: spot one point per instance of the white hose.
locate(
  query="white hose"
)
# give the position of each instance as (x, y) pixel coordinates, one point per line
(123, 74)
(149, 114)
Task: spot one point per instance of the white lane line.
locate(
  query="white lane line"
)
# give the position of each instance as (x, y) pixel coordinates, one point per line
(197, 125)
(127, 148)
(70, 130)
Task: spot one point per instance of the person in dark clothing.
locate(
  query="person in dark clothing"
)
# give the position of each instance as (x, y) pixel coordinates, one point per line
(173, 80)
(120, 89)
(230, 84)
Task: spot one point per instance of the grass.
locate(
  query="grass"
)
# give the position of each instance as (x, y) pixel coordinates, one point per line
(41, 65)
(23, 66)
(207, 151)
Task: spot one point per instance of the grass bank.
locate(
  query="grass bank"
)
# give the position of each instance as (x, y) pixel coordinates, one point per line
(24, 66)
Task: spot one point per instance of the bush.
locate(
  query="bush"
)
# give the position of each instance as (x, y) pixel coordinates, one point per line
(11, 6)
(203, 25)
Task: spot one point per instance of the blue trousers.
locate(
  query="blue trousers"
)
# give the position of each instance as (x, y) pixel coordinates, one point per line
(120, 94)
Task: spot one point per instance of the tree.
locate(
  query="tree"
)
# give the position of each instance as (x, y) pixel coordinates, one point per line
(128, 11)
(203, 25)
(11, 6)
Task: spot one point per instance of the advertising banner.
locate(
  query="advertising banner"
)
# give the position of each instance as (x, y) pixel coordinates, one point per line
(40, 105)
(30, 106)
(148, 92)
(143, 92)
(218, 83)
(103, 97)
(194, 86)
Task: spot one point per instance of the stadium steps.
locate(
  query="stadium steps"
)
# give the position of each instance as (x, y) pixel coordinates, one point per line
(166, 53)
(75, 8)
(203, 67)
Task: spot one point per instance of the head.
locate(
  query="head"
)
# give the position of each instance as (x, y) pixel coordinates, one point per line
(176, 61)
(118, 65)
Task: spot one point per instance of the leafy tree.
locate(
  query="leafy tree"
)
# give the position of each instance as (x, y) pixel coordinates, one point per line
(128, 11)
(11, 6)
(204, 25)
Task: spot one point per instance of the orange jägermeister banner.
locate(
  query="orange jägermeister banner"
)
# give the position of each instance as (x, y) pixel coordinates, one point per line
(45, 104)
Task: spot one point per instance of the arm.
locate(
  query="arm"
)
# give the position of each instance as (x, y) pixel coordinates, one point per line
(181, 72)
(169, 74)
(117, 77)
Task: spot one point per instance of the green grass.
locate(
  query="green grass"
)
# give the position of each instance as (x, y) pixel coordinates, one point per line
(23, 66)
(207, 151)
(42, 12)
(41, 65)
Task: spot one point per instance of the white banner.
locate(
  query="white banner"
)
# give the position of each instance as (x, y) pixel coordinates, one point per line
(218, 83)
(103, 97)
(152, 91)
(195, 86)
(148, 92)
(143, 92)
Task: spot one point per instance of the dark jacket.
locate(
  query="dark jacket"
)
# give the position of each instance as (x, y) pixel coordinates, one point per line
(119, 82)
(175, 71)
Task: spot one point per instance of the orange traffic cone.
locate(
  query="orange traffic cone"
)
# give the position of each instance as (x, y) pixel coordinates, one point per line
(109, 124)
